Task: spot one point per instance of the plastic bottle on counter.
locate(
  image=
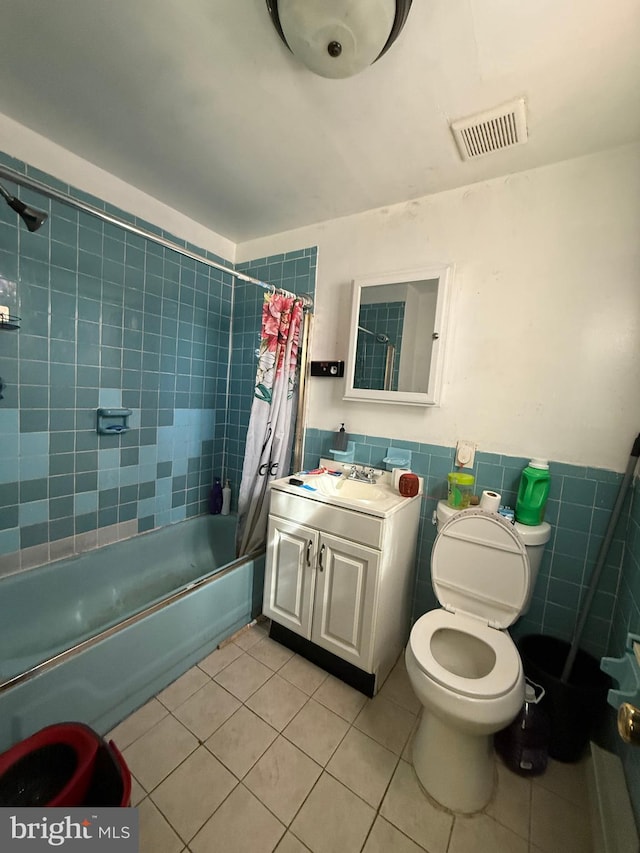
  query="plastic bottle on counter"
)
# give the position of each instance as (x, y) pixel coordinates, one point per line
(226, 498)
(215, 498)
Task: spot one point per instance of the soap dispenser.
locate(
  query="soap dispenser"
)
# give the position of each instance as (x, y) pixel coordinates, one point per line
(341, 439)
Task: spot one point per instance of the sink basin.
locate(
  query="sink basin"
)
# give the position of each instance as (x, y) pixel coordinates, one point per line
(354, 490)
(370, 498)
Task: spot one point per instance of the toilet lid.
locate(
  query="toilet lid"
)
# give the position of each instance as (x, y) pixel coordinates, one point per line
(479, 566)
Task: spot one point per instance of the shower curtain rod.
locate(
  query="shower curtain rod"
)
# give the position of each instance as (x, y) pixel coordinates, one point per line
(56, 195)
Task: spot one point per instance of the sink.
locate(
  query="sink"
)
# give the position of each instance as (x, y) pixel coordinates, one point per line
(355, 490)
(371, 498)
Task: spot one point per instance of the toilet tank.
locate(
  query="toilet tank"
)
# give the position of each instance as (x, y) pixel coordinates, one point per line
(534, 537)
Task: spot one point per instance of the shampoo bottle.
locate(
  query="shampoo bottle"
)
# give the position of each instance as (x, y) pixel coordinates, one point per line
(215, 498)
(226, 498)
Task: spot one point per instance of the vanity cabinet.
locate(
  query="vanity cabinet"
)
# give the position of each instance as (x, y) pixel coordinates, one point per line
(341, 580)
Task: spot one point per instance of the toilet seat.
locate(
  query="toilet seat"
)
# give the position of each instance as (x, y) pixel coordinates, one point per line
(480, 566)
(504, 674)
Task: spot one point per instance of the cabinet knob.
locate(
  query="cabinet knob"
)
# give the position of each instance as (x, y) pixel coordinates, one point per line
(320, 558)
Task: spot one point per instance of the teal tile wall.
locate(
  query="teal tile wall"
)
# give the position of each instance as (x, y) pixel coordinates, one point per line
(108, 319)
(578, 509)
(294, 272)
(382, 318)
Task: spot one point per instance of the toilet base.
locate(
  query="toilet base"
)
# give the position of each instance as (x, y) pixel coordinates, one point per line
(455, 768)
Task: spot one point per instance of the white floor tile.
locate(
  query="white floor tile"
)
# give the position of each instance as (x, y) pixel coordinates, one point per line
(277, 702)
(207, 710)
(483, 835)
(241, 741)
(304, 674)
(190, 795)
(243, 676)
(386, 722)
(409, 810)
(178, 692)
(290, 844)
(221, 658)
(385, 838)
(333, 819)
(270, 653)
(137, 724)
(340, 697)
(397, 688)
(558, 826)
(317, 731)
(282, 779)
(364, 766)
(154, 755)
(511, 805)
(241, 825)
(156, 836)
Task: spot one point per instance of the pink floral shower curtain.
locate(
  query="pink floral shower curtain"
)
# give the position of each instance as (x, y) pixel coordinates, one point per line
(270, 433)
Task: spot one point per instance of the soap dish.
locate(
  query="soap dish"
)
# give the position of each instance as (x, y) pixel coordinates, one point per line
(626, 671)
(397, 458)
(344, 455)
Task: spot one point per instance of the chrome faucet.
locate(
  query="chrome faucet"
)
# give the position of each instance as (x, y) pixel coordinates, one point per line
(362, 476)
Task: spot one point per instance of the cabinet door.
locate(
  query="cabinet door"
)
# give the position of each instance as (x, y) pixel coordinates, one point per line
(346, 587)
(290, 574)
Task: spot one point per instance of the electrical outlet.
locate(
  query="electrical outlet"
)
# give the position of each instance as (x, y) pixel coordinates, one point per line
(465, 454)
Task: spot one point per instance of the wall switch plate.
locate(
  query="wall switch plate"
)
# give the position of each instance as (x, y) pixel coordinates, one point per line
(465, 454)
(327, 368)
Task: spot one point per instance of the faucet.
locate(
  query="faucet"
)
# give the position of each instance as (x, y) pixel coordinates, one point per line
(362, 475)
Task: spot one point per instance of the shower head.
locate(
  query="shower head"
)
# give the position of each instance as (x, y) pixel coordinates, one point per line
(382, 339)
(31, 216)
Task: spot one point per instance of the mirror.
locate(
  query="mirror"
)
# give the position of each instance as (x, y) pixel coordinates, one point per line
(397, 337)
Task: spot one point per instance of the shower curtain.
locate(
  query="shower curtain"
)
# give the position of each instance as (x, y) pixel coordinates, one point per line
(270, 433)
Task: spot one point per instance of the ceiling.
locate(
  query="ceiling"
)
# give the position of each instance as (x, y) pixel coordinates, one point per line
(199, 104)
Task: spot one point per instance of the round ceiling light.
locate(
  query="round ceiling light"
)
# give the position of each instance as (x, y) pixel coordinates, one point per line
(338, 38)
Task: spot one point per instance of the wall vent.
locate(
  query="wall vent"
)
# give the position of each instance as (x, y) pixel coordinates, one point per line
(491, 130)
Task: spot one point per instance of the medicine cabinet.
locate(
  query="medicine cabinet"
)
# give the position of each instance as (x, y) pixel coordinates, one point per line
(397, 336)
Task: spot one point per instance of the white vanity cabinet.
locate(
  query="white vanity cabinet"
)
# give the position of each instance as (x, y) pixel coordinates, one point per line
(342, 579)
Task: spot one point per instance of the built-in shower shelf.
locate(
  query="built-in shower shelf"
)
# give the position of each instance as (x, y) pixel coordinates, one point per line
(9, 323)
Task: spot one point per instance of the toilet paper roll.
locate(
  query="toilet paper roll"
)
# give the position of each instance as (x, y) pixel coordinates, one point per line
(490, 501)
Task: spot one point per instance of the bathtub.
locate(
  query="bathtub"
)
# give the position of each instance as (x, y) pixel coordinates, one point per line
(92, 637)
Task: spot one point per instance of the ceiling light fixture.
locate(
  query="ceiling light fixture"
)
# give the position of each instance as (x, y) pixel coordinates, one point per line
(338, 38)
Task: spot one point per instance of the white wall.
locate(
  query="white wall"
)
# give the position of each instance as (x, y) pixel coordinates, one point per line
(544, 351)
(26, 145)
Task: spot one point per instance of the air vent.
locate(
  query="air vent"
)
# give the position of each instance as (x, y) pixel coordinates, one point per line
(491, 130)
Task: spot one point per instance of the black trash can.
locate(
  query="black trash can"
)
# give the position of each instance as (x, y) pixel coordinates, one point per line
(574, 708)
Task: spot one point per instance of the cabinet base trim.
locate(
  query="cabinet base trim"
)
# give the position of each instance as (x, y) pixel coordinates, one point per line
(363, 681)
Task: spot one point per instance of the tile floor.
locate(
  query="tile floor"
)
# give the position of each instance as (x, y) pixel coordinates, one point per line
(256, 749)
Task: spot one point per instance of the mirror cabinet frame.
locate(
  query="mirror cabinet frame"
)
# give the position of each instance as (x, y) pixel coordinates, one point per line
(436, 337)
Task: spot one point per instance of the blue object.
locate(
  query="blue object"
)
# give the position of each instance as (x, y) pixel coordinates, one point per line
(103, 683)
(113, 421)
(397, 457)
(626, 671)
(345, 455)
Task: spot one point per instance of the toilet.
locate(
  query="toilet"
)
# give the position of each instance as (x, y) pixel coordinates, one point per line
(463, 665)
